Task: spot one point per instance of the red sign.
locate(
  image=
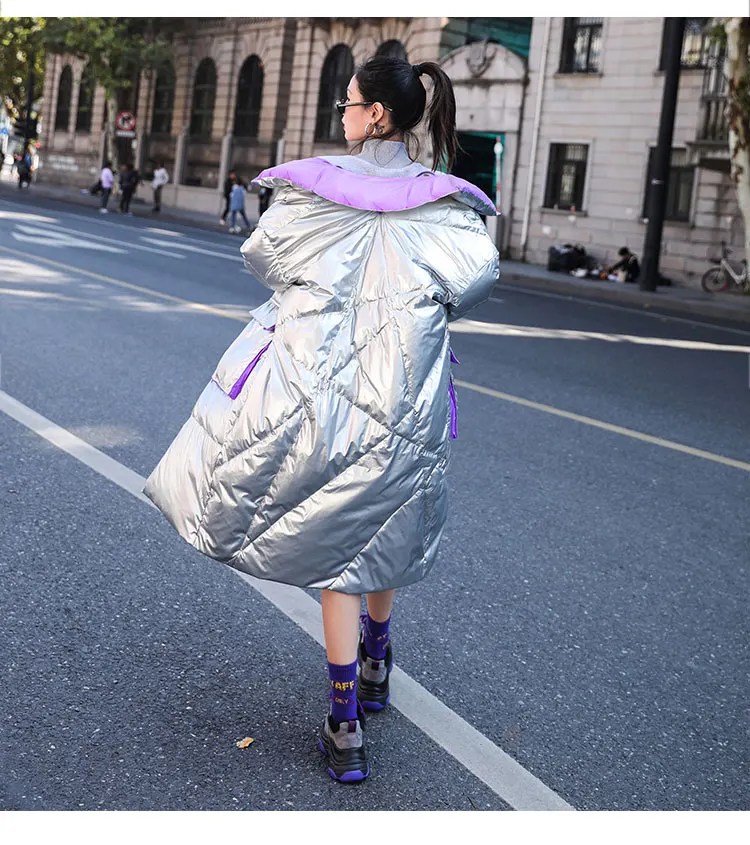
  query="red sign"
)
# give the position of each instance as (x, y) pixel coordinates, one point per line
(125, 121)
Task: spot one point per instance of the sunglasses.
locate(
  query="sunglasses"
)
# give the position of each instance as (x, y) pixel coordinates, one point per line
(342, 105)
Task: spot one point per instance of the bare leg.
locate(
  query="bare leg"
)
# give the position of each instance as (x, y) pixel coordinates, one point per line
(340, 625)
(379, 605)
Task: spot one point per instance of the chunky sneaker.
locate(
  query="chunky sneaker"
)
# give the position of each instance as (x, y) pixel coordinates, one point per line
(372, 680)
(343, 745)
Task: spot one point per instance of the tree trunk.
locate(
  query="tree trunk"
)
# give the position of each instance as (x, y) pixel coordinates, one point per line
(738, 114)
(111, 126)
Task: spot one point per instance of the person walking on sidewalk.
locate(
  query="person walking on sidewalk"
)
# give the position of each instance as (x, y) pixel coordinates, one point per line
(317, 454)
(107, 180)
(228, 185)
(128, 183)
(160, 179)
(237, 204)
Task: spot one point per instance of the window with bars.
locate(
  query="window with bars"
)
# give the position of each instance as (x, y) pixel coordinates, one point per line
(64, 92)
(566, 176)
(696, 44)
(161, 120)
(337, 71)
(85, 101)
(679, 186)
(249, 98)
(204, 98)
(582, 45)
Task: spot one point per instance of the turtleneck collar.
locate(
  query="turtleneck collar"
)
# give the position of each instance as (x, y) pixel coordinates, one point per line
(390, 155)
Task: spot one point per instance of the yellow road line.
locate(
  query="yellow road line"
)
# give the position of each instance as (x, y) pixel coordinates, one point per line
(616, 429)
(497, 394)
(195, 306)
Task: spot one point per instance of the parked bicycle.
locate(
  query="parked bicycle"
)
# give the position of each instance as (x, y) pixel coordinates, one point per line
(726, 276)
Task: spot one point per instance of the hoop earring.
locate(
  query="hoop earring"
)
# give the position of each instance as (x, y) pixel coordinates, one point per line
(369, 129)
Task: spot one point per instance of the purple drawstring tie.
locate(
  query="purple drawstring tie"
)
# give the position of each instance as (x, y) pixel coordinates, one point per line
(454, 407)
(240, 383)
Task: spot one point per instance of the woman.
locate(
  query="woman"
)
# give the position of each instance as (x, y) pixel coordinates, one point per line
(237, 204)
(316, 456)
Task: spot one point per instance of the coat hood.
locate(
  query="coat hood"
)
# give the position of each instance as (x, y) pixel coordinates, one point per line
(374, 193)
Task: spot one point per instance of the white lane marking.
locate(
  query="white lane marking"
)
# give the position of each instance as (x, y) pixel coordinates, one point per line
(74, 446)
(615, 429)
(164, 232)
(191, 248)
(631, 309)
(131, 224)
(51, 230)
(46, 237)
(189, 304)
(490, 764)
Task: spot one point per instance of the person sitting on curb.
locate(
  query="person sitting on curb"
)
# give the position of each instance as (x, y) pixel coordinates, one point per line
(627, 268)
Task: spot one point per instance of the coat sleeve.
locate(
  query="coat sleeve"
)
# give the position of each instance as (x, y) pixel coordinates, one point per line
(260, 251)
(463, 261)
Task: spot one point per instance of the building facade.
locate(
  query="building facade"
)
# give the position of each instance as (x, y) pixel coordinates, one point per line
(556, 119)
(583, 169)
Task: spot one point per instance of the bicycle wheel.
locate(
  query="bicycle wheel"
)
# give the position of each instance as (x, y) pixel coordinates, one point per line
(715, 280)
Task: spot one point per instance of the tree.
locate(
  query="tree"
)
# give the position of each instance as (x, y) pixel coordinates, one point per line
(734, 34)
(114, 49)
(21, 41)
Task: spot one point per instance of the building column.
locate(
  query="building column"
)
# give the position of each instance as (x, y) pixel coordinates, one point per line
(180, 156)
(510, 157)
(227, 148)
(143, 116)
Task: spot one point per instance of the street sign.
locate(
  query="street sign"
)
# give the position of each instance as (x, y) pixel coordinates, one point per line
(125, 125)
(4, 131)
(125, 121)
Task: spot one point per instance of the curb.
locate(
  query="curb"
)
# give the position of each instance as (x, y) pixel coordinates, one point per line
(658, 302)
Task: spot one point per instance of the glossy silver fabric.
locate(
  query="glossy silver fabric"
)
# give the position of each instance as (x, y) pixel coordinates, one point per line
(328, 469)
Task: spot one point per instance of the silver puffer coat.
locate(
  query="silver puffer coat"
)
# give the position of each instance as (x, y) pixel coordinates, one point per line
(317, 453)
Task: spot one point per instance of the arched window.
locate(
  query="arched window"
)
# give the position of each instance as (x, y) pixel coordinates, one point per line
(64, 91)
(393, 49)
(85, 101)
(204, 97)
(337, 71)
(249, 97)
(161, 121)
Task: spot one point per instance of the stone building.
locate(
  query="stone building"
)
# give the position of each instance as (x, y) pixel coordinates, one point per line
(601, 84)
(583, 95)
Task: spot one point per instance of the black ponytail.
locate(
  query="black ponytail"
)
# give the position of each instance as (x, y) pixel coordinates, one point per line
(396, 84)
(441, 119)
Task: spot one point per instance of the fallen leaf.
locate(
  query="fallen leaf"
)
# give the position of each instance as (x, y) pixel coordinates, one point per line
(243, 743)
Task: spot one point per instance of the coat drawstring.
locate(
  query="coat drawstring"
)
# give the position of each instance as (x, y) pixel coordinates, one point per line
(454, 407)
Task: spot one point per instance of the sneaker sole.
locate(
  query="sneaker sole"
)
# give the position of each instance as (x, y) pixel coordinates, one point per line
(346, 777)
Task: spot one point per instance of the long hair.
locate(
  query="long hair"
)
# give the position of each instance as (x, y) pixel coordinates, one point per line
(396, 83)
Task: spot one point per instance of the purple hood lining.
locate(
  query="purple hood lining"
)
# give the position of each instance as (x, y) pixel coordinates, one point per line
(374, 193)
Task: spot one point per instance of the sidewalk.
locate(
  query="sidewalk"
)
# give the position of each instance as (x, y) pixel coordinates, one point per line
(669, 300)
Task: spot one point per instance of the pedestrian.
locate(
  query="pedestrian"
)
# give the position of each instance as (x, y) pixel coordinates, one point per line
(107, 180)
(237, 204)
(264, 200)
(24, 168)
(317, 454)
(228, 183)
(627, 269)
(161, 178)
(128, 182)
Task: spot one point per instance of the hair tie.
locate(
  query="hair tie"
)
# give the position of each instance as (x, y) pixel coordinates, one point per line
(417, 69)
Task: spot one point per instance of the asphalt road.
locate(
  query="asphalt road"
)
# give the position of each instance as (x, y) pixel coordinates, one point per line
(587, 616)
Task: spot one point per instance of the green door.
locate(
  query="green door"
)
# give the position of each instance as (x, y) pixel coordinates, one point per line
(476, 163)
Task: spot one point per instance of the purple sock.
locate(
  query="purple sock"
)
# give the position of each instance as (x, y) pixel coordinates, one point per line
(376, 636)
(343, 691)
